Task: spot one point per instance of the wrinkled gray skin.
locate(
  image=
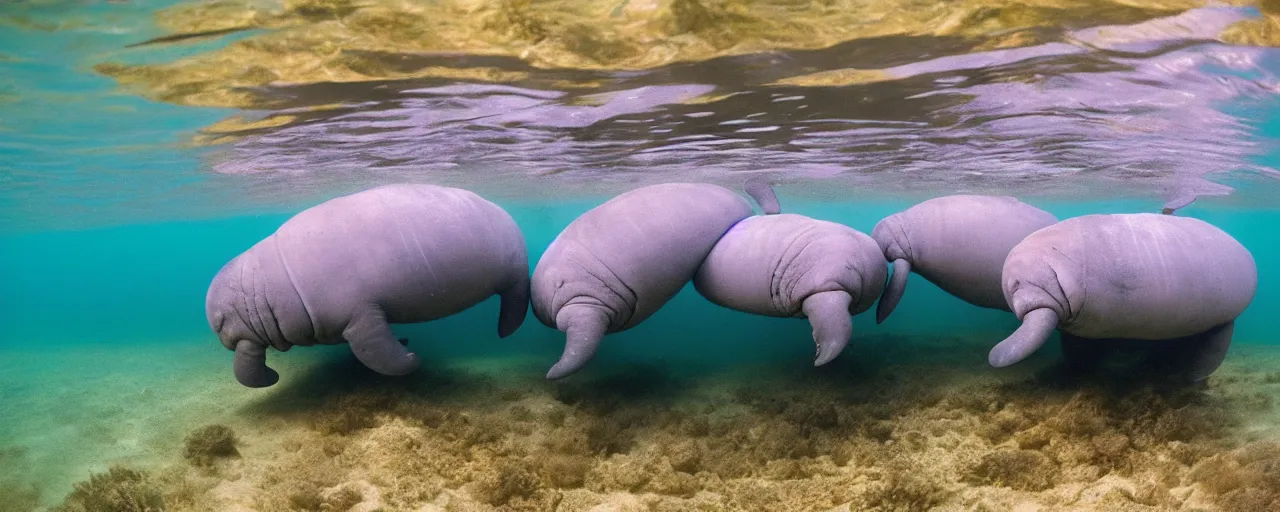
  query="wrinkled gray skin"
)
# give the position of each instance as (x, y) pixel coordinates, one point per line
(790, 265)
(618, 263)
(343, 270)
(956, 242)
(1141, 276)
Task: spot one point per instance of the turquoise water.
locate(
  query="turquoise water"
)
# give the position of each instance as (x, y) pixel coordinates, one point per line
(111, 225)
(146, 283)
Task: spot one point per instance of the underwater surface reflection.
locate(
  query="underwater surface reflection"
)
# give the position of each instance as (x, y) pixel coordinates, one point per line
(1134, 112)
(144, 143)
(1153, 105)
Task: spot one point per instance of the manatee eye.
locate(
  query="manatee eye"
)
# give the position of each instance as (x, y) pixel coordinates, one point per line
(218, 318)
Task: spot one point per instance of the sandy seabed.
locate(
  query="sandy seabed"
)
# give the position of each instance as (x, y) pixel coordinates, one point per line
(895, 424)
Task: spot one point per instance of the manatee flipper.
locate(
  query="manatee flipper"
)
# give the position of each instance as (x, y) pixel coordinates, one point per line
(828, 314)
(894, 290)
(515, 306)
(1081, 353)
(584, 328)
(760, 190)
(250, 365)
(1036, 327)
(1208, 350)
(1178, 202)
(376, 346)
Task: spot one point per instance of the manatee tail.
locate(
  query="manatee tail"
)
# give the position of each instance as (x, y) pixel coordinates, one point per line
(251, 365)
(828, 313)
(584, 328)
(515, 307)
(760, 190)
(894, 290)
(1036, 327)
(1209, 350)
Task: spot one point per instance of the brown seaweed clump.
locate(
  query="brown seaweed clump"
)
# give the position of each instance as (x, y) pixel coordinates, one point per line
(509, 482)
(120, 489)
(1025, 470)
(1247, 478)
(905, 488)
(210, 443)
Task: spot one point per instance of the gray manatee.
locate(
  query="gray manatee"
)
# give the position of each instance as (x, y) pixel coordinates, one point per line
(618, 263)
(1141, 276)
(956, 242)
(345, 269)
(790, 265)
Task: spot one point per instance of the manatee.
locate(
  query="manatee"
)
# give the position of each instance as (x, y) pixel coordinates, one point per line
(956, 242)
(615, 265)
(343, 270)
(790, 265)
(1136, 276)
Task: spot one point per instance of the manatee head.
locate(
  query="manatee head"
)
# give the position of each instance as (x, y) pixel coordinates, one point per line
(225, 310)
(222, 307)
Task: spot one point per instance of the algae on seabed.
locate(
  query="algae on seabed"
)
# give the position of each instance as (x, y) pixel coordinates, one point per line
(904, 425)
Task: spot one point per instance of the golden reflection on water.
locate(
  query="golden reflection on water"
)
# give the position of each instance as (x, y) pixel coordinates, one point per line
(309, 41)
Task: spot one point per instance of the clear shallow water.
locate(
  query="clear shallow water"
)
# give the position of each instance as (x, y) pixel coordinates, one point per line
(1145, 111)
(112, 220)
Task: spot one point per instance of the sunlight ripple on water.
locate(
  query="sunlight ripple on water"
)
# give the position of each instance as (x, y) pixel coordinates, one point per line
(1140, 109)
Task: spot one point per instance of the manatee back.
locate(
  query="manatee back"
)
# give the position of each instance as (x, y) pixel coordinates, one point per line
(738, 272)
(769, 264)
(420, 251)
(836, 257)
(646, 244)
(1152, 276)
(960, 242)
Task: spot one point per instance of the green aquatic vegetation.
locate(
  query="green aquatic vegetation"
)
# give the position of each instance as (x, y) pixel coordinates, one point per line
(119, 489)
(210, 443)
